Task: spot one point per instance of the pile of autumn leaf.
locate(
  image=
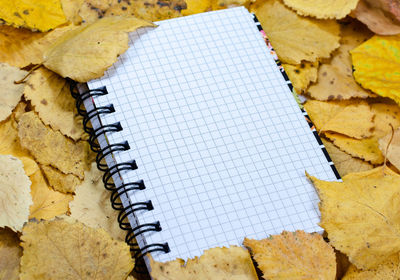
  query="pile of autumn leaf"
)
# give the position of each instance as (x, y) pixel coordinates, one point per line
(56, 221)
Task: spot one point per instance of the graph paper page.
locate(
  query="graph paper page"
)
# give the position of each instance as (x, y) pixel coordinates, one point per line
(218, 138)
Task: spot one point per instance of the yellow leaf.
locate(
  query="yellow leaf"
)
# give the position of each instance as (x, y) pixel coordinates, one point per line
(71, 10)
(393, 152)
(85, 52)
(47, 203)
(366, 149)
(386, 117)
(381, 16)
(40, 15)
(377, 65)
(223, 4)
(293, 255)
(9, 141)
(388, 270)
(361, 215)
(335, 78)
(20, 47)
(10, 93)
(344, 162)
(351, 118)
(301, 75)
(232, 263)
(49, 147)
(196, 7)
(151, 10)
(296, 38)
(14, 193)
(65, 183)
(51, 97)
(61, 250)
(10, 255)
(323, 9)
(92, 205)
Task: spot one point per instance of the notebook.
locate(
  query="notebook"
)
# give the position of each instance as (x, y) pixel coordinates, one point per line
(203, 140)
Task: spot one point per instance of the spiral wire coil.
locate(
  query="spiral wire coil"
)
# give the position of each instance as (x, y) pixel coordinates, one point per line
(110, 171)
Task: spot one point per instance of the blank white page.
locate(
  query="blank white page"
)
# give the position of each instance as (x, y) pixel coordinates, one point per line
(218, 138)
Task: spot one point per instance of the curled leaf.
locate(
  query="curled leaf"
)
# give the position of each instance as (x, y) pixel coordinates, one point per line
(85, 52)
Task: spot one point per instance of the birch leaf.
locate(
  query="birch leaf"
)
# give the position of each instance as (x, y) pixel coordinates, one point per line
(61, 250)
(41, 15)
(85, 52)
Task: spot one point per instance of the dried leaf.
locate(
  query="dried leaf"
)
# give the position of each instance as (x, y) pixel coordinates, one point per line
(65, 183)
(50, 95)
(351, 118)
(20, 47)
(344, 162)
(10, 255)
(71, 10)
(232, 263)
(47, 203)
(377, 65)
(366, 149)
(40, 15)
(335, 78)
(85, 52)
(61, 250)
(196, 7)
(296, 38)
(386, 117)
(52, 148)
(387, 270)
(11, 93)
(393, 152)
(293, 255)
(381, 16)
(14, 193)
(9, 141)
(361, 215)
(301, 75)
(151, 10)
(92, 206)
(323, 9)
(223, 4)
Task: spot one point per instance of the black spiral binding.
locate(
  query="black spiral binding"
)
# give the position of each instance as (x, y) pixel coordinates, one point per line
(109, 171)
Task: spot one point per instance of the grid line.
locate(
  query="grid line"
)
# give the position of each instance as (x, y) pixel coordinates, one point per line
(219, 140)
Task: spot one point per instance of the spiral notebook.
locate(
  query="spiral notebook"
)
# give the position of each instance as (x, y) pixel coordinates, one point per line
(202, 138)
